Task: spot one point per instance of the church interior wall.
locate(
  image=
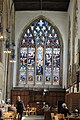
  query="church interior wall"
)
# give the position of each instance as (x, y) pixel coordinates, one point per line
(56, 18)
(74, 47)
(59, 19)
(78, 19)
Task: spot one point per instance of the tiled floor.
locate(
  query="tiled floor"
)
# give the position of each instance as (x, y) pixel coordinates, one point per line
(33, 117)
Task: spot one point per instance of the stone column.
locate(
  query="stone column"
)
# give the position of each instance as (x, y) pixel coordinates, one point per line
(75, 88)
(79, 86)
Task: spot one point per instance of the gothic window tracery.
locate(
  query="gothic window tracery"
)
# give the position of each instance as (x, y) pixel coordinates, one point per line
(40, 54)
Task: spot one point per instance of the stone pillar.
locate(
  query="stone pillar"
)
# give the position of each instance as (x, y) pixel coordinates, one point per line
(8, 33)
(75, 88)
(71, 89)
(79, 86)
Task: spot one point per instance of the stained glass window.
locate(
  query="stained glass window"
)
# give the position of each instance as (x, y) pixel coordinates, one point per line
(40, 51)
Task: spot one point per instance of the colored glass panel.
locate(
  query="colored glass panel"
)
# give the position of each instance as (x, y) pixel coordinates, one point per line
(39, 61)
(40, 51)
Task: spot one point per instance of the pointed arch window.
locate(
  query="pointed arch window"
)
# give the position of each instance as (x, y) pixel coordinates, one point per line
(40, 54)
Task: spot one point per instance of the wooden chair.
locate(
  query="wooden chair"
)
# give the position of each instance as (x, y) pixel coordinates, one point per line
(33, 111)
(60, 116)
(52, 116)
(28, 109)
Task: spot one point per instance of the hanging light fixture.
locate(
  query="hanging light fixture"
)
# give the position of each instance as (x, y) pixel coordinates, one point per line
(1, 37)
(7, 43)
(12, 60)
(7, 47)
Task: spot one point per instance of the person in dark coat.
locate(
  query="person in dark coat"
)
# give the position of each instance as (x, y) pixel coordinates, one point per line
(65, 110)
(19, 107)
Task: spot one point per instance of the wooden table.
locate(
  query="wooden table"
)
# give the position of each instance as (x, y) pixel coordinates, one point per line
(72, 118)
(9, 115)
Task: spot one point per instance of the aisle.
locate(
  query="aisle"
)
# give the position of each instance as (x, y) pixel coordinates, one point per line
(33, 117)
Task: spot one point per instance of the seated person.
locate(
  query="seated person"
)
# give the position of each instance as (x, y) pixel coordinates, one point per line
(76, 112)
(65, 110)
(28, 109)
(2, 110)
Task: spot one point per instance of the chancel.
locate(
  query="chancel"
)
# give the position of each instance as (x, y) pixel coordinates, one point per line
(40, 58)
